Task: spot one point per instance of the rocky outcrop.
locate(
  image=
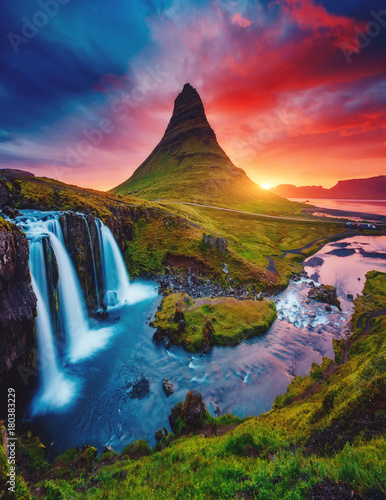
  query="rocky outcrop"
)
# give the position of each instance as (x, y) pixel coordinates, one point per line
(78, 230)
(326, 294)
(188, 416)
(207, 336)
(214, 242)
(9, 191)
(160, 434)
(17, 301)
(168, 387)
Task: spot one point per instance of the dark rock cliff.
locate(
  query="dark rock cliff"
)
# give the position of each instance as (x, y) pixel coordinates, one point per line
(17, 301)
(82, 242)
(81, 239)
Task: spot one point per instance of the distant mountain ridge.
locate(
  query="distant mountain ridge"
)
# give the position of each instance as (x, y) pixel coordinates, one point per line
(372, 188)
(189, 165)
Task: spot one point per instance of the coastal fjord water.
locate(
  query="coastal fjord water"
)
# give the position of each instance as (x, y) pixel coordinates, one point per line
(119, 396)
(376, 207)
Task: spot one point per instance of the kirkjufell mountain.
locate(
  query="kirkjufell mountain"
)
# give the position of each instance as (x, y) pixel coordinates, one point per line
(189, 164)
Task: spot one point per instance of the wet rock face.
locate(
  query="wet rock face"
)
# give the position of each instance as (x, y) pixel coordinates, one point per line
(326, 294)
(17, 301)
(121, 224)
(160, 434)
(168, 387)
(77, 240)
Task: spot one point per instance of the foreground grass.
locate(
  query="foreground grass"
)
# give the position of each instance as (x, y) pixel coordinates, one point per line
(335, 431)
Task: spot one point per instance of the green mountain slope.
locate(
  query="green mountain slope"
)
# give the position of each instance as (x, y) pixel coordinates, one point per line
(189, 164)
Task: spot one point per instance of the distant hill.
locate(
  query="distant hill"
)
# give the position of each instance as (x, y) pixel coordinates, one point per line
(373, 188)
(189, 164)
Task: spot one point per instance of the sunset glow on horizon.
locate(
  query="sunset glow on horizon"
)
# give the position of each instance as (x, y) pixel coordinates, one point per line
(293, 92)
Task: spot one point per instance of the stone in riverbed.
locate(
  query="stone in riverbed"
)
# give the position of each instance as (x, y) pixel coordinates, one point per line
(326, 294)
(168, 387)
(167, 343)
(10, 212)
(139, 389)
(190, 413)
(158, 335)
(160, 434)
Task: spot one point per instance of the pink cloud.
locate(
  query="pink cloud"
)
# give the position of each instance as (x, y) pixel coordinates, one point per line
(241, 21)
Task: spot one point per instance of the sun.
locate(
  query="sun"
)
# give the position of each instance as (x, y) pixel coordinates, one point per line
(266, 185)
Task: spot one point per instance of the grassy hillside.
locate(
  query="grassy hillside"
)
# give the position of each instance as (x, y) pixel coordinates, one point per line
(325, 438)
(165, 234)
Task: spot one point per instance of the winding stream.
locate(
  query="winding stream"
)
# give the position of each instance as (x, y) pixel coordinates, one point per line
(117, 392)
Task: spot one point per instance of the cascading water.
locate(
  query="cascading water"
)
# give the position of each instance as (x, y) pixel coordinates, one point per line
(56, 389)
(53, 226)
(118, 289)
(81, 341)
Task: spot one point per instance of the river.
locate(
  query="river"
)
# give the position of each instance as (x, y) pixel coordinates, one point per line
(117, 395)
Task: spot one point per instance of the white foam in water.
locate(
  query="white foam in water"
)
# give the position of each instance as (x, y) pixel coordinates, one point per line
(291, 306)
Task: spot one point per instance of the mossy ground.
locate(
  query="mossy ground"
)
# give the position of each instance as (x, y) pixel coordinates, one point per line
(337, 431)
(233, 320)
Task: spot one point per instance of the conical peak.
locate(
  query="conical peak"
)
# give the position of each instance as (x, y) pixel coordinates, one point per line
(188, 114)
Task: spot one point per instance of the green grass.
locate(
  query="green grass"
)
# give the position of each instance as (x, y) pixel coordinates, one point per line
(232, 320)
(267, 456)
(160, 232)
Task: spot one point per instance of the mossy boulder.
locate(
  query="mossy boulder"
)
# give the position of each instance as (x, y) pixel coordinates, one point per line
(136, 450)
(326, 294)
(188, 416)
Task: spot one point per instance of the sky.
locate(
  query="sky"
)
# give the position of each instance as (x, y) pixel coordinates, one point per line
(294, 89)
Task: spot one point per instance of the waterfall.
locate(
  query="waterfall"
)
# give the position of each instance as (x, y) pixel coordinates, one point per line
(117, 283)
(53, 226)
(117, 287)
(83, 341)
(93, 260)
(56, 389)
